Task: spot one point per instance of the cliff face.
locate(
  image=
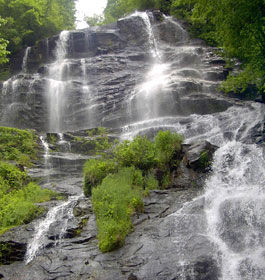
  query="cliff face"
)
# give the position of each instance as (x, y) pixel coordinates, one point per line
(136, 69)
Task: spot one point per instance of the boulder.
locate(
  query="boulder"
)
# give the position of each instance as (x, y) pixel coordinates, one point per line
(198, 155)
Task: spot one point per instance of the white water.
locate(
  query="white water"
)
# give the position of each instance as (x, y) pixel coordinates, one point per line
(61, 213)
(25, 60)
(56, 84)
(235, 210)
(46, 156)
(151, 38)
(63, 142)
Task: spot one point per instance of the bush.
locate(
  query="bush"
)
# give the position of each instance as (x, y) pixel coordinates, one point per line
(17, 197)
(16, 144)
(139, 153)
(95, 170)
(167, 145)
(122, 182)
(12, 177)
(114, 202)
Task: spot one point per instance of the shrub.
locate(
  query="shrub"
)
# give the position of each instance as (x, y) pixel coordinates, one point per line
(114, 202)
(12, 177)
(16, 144)
(95, 170)
(139, 153)
(17, 197)
(167, 145)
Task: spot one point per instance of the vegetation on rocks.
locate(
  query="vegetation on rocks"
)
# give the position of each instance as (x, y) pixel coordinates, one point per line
(114, 202)
(18, 194)
(17, 145)
(118, 184)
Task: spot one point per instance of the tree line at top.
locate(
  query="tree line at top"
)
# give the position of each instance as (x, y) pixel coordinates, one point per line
(238, 27)
(23, 22)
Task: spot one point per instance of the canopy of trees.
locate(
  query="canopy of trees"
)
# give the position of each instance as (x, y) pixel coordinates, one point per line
(236, 26)
(3, 45)
(27, 21)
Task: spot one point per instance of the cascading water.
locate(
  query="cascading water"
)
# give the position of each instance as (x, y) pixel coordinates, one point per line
(62, 213)
(25, 60)
(235, 210)
(57, 84)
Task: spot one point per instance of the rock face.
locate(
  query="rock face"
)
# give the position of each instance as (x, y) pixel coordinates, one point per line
(110, 75)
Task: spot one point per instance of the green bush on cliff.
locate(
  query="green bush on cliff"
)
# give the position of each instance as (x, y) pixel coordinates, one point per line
(18, 197)
(118, 185)
(17, 194)
(167, 144)
(139, 153)
(95, 170)
(114, 202)
(18, 145)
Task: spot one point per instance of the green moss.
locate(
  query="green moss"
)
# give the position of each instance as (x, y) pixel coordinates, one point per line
(204, 161)
(114, 202)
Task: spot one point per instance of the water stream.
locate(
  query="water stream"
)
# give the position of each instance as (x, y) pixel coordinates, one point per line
(62, 214)
(25, 60)
(57, 84)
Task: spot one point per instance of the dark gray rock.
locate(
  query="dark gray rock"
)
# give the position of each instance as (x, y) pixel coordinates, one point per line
(198, 155)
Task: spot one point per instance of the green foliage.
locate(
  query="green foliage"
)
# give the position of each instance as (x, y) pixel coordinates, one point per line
(12, 178)
(114, 202)
(94, 20)
(236, 26)
(139, 153)
(16, 144)
(117, 185)
(167, 144)
(18, 197)
(28, 21)
(17, 194)
(95, 170)
(3, 45)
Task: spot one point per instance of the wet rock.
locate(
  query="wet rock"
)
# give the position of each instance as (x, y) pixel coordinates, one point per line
(11, 251)
(198, 155)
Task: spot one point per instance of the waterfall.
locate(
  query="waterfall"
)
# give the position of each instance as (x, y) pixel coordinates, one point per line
(57, 84)
(235, 210)
(66, 145)
(59, 214)
(87, 97)
(151, 38)
(25, 60)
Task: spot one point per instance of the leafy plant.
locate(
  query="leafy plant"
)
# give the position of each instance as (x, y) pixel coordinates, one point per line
(114, 202)
(95, 170)
(167, 145)
(18, 197)
(139, 153)
(19, 145)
